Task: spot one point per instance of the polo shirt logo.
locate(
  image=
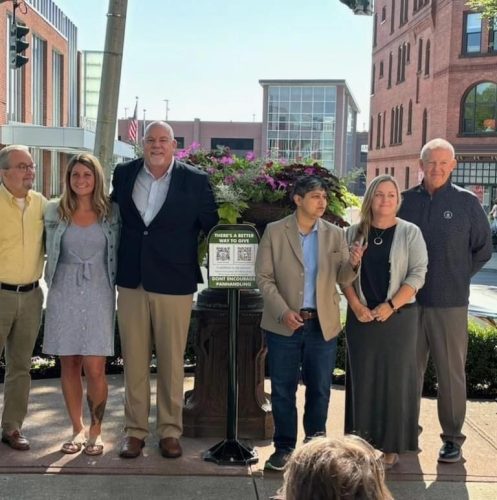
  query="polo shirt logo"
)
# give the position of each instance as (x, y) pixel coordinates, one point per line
(448, 214)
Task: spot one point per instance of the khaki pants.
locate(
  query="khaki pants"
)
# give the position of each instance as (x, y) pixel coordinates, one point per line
(443, 333)
(146, 320)
(20, 315)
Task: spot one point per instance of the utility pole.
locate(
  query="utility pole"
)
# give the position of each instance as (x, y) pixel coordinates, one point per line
(109, 87)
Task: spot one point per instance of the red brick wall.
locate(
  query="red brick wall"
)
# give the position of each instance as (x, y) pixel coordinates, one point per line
(440, 92)
(54, 41)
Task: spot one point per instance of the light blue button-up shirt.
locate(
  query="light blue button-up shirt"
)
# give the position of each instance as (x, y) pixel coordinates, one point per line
(309, 244)
(149, 193)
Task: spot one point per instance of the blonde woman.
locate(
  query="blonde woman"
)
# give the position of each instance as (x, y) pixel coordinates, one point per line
(334, 469)
(382, 325)
(82, 230)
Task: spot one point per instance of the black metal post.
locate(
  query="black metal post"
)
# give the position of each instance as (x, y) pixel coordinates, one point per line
(230, 451)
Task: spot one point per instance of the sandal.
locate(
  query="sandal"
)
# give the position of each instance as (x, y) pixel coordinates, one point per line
(75, 444)
(94, 446)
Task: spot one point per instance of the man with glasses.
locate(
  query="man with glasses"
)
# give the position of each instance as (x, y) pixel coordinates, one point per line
(21, 264)
(164, 204)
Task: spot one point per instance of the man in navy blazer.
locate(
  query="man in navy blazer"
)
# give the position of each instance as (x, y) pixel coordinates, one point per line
(164, 205)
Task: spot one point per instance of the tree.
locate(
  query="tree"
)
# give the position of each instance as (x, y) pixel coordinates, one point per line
(488, 8)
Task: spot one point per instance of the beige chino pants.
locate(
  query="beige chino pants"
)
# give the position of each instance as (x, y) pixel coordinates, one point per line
(147, 320)
(20, 316)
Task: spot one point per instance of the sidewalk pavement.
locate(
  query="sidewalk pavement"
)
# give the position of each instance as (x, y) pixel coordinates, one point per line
(45, 473)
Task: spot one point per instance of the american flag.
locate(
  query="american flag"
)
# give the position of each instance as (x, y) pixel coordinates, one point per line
(133, 126)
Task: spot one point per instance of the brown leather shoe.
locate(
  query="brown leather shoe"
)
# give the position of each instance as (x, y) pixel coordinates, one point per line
(170, 448)
(15, 440)
(131, 447)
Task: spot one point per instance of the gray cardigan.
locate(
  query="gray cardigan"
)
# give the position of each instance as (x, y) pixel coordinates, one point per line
(408, 259)
(55, 228)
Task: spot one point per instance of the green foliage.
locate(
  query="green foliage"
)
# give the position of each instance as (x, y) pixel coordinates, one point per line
(481, 364)
(240, 182)
(488, 8)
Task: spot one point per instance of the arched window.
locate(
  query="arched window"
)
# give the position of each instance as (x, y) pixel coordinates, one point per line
(392, 125)
(427, 58)
(409, 118)
(420, 55)
(424, 128)
(479, 109)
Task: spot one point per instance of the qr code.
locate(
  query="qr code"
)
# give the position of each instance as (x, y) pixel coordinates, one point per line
(244, 254)
(222, 254)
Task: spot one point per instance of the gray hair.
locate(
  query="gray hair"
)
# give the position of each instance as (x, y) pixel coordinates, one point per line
(162, 124)
(5, 154)
(307, 183)
(436, 144)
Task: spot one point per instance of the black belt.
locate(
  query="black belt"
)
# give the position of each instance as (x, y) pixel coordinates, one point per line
(19, 288)
(306, 314)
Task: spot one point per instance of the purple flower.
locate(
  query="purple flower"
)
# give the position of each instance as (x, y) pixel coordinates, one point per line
(210, 170)
(183, 153)
(194, 145)
(250, 156)
(226, 160)
(282, 184)
(229, 179)
(310, 170)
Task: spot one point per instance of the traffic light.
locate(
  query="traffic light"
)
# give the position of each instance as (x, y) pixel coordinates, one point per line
(360, 7)
(17, 45)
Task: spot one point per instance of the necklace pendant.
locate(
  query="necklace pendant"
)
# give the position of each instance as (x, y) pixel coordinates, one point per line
(378, 241)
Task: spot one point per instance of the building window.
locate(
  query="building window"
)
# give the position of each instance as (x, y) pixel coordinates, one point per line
(409, 118)
(420, 55)
(235, 144)
(401, 122)
(384, 126)
(492, 35)
(378, 132)
(390, 58)
(38, 81)
(371, 133)
(375, 29)
(392, 126)
(408, 55)
(180, 142)
(376, 172)
(301, 123)
(406, 179)
(427, 58)
(383, 13)
(57, 79)
(392, 171)
(404, 7)
(399, 64)
(472, 33)
(479, 109)
(392, 20)
(373, 76)
(424, 127)
(55, 174)
(381, 70)
(404, 56)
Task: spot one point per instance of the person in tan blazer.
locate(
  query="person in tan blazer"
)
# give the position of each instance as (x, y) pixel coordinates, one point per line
(300, 260)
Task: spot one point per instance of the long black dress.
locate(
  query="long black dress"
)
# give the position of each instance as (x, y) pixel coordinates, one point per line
(381, 382)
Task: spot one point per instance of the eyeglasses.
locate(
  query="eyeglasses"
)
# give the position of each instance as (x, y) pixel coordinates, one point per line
(24, 167)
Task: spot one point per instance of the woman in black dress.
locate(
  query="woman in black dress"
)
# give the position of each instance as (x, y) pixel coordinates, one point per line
(381, 327)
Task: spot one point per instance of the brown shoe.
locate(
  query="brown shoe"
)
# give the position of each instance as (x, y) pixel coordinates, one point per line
(131, 447)
(15, 440)
(170, 448)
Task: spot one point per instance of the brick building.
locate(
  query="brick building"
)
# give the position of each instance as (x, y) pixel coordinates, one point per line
(433, 75)
(39, 102)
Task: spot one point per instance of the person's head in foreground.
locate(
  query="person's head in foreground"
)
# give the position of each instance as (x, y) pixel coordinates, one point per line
(335, 469)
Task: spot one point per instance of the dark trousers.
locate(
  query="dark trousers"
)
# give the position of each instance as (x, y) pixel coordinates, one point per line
(443, 334)
(305, 353)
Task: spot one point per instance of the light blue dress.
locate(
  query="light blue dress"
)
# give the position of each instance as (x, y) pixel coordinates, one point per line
(79, 317)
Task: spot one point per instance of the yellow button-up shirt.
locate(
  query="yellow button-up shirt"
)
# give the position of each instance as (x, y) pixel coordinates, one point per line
(21, 238)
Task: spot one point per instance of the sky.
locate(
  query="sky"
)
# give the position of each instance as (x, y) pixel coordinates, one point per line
(207, 57)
